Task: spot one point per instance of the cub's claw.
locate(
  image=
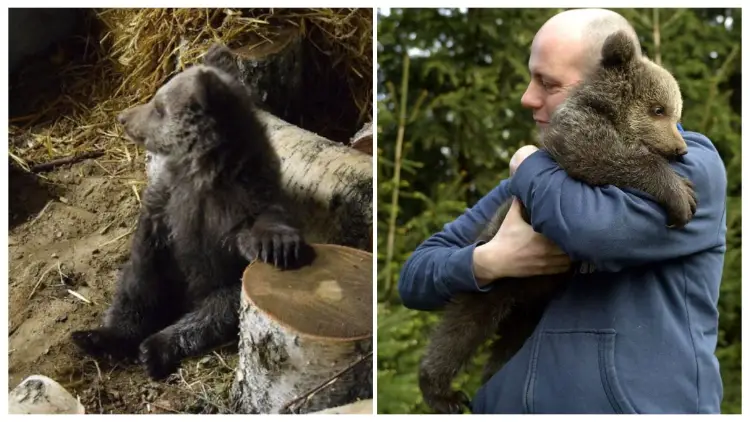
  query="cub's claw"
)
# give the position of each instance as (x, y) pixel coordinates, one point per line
(274, 243)
(159, 357)
(684, 205)
(453, 403)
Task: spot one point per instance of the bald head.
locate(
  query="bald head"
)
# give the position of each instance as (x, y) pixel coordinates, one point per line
(582, 33)
(564, 50)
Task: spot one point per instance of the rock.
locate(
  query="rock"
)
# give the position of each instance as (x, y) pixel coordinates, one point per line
(38, 394)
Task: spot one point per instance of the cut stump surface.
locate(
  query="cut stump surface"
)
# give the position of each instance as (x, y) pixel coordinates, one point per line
(305, 335)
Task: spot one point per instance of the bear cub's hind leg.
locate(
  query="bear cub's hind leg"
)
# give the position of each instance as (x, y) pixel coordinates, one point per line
(214, 323)
(146, 299)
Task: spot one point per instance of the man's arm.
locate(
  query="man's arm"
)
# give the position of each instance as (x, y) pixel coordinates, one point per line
(442, 265)
(617, 228)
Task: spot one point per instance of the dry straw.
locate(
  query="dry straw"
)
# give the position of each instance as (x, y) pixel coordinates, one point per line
(129, 53)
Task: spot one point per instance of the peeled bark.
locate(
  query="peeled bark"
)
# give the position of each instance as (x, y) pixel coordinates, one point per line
(306, 335)
(362, 140)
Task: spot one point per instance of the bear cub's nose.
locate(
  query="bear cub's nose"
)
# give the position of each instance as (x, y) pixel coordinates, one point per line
(681, 151)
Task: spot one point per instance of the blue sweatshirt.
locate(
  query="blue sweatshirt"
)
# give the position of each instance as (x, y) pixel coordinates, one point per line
(636, 330)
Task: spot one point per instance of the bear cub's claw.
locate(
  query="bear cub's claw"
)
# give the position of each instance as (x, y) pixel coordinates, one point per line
(277, 244)
(159, 357)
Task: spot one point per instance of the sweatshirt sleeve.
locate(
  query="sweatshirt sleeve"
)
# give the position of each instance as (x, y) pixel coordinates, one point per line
(614, 228)
(443, 264)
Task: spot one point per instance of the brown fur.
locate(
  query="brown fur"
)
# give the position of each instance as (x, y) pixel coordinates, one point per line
(608, 131)
(214, 205)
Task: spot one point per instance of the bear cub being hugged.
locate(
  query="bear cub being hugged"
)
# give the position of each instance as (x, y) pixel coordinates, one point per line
(214, 206)
(618, 127)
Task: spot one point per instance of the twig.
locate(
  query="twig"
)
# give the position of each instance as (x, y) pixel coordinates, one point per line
(167, 408)
(41, 213)
(323, 385)
(199, 397)
(135, 191)
(116, 239)
(67, 160)
(79, 296)
(223, 362)
(59, 271)
(714, 88)
(44, 274)
(657, 37)
(396, 181)
(98, 371)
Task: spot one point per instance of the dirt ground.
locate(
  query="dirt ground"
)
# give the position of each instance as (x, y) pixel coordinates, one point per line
(69, 234)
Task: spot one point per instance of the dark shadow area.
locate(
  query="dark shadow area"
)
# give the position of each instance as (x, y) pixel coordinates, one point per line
(45, 71)
(28, 195)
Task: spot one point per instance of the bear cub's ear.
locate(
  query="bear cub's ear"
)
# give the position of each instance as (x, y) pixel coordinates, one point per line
(221, 57)
(211, 92)
(618, 50)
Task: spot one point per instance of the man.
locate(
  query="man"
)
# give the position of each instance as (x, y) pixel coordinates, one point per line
(636, 330)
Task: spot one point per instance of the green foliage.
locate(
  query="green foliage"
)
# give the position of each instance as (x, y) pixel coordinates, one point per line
(468, 71)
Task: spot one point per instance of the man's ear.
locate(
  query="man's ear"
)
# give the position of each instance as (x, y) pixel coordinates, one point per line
(618, 50)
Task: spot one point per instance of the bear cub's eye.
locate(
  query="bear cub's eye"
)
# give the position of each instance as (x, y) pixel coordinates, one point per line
(159, 108)
(658, 110)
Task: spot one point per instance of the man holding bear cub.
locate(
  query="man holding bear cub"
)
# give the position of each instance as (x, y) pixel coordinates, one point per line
(636, 330)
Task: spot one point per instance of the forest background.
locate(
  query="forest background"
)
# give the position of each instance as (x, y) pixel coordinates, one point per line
(449, 118)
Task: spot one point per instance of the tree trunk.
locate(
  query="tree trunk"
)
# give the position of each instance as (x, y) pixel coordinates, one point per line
(272, 68)
(306, 335)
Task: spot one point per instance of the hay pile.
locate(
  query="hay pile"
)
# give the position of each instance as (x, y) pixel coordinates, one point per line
(128, 53)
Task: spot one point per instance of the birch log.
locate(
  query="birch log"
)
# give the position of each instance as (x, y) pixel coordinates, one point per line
(306, 335)
(329, 183)
(362, 140)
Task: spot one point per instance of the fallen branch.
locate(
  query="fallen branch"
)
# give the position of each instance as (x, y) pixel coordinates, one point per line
(63, 161)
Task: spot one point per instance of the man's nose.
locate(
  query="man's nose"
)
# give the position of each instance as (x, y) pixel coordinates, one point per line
(530, 99)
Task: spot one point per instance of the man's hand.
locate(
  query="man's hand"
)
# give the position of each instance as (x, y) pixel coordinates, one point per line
(521, 155)
(517, 251)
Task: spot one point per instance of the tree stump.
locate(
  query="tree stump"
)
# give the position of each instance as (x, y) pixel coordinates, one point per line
(306, 335)
(272, 68)
(38, 394)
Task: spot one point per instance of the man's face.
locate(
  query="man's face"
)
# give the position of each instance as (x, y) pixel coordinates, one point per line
(555, 67)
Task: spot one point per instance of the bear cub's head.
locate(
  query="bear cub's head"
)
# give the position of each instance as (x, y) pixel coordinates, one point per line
(649, 103)
(194, 110)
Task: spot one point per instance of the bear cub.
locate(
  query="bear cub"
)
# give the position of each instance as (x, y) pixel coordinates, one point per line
(214, 205)
(617, 127)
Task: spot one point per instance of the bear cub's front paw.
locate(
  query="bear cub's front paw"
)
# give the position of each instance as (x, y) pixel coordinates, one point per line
(683, 207)
(276, 243)
(104, 343)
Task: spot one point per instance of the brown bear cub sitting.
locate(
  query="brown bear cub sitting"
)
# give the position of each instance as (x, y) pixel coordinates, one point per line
(214, 206)
(618, 127)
